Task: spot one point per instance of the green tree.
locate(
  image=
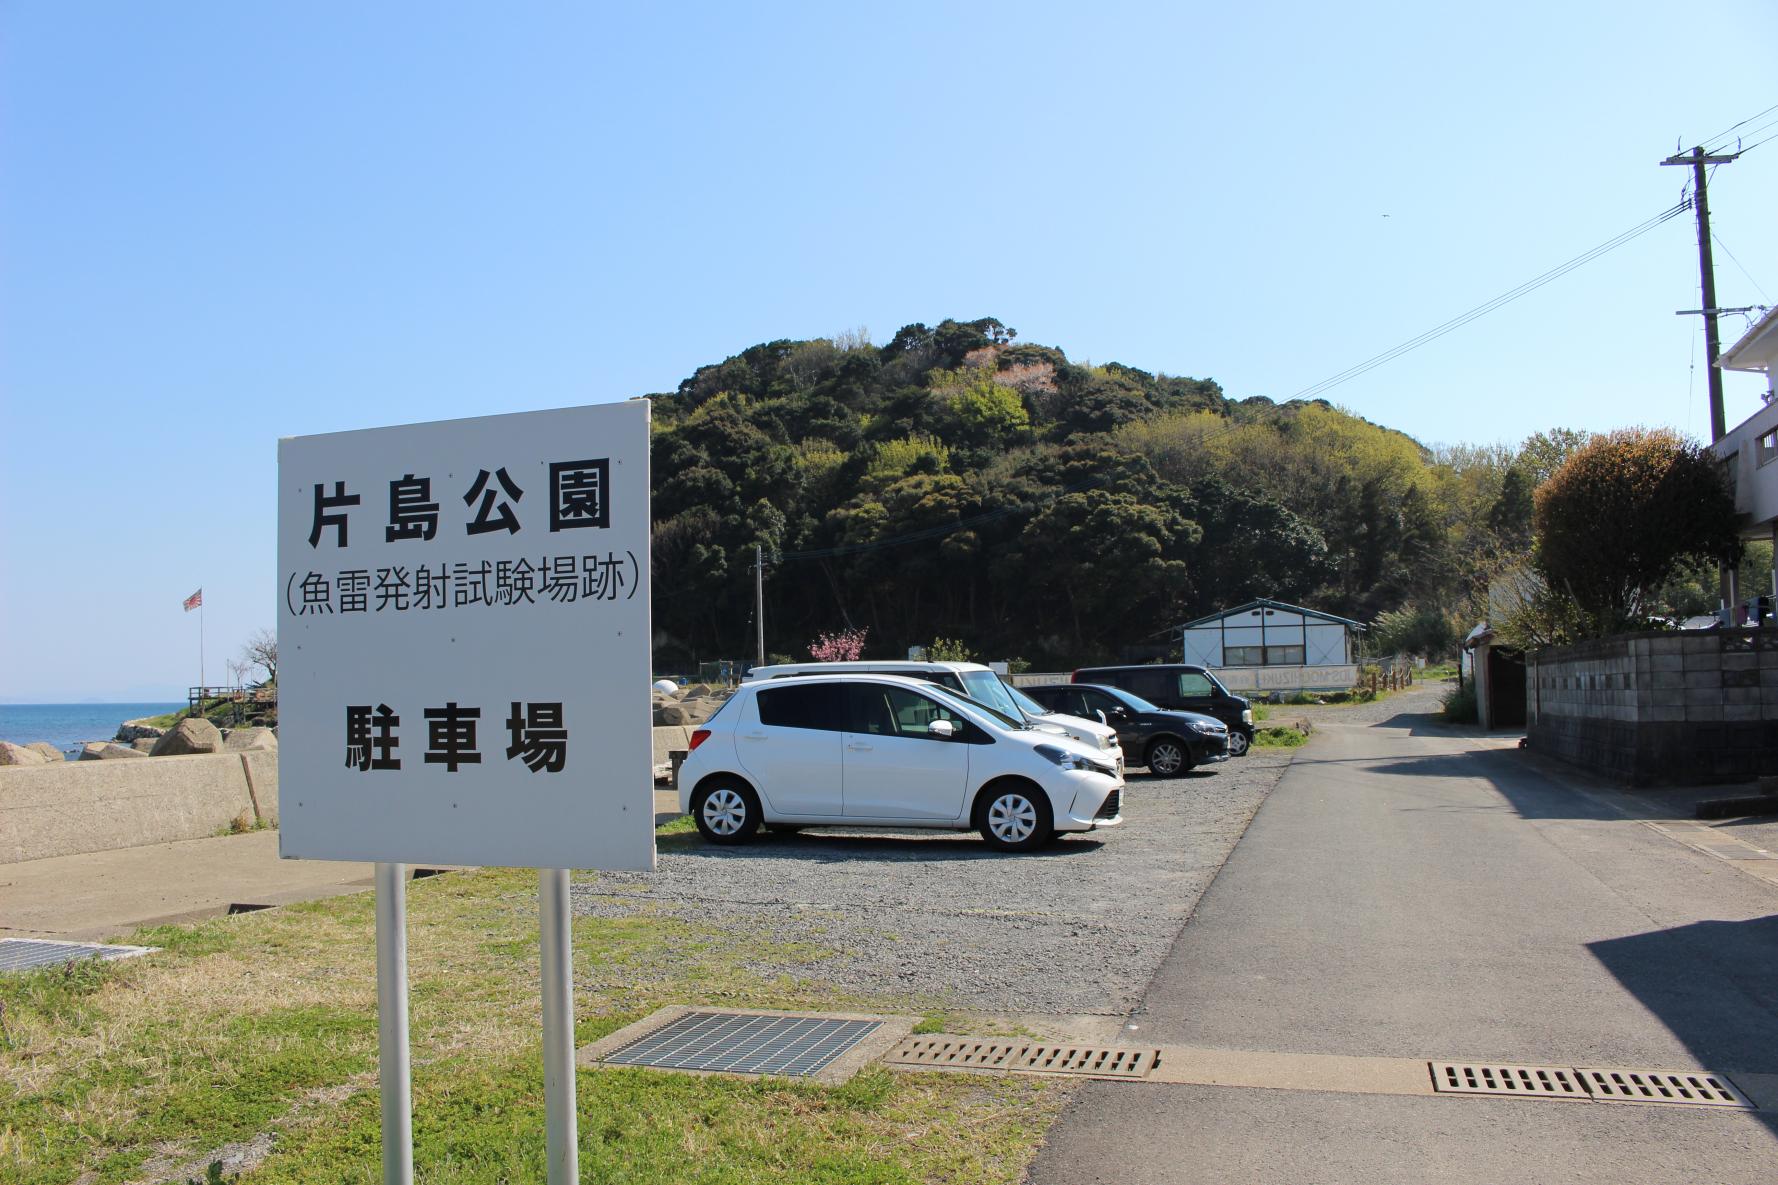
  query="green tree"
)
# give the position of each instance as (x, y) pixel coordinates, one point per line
(1621, 514)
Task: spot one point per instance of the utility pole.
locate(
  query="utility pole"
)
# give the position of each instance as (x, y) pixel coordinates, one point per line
(759, 598)
(1697, 159)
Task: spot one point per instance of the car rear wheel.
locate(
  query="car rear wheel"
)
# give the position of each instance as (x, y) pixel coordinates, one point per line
(1168, 757)
(1238, 743)
(1013, 817)
(726, 812)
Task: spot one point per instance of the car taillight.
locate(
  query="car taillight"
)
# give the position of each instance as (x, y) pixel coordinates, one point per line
(698, 737)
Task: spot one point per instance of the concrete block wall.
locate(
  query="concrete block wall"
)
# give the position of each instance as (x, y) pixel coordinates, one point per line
(94, 806)
(1694, 705)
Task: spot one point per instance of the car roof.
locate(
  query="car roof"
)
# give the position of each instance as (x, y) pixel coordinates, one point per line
(887, 666)
(856, 677)
(1159, 711)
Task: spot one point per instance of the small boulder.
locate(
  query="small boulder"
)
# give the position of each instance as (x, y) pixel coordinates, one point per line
(11, 754)
(191, 735)
(672, 714)
(107, 751)
(50, 753)
(143, 744)
(243, 740)
(131, 731)
(698, 691)
(699, 710)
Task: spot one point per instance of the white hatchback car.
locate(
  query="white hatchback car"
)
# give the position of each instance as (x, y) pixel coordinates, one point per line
(885, 751)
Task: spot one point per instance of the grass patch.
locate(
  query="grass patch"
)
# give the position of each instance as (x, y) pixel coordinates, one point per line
(1278, 738)
(266, 1023)
(682, 825)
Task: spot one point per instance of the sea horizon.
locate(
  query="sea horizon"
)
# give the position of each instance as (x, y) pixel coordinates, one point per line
(67, 726)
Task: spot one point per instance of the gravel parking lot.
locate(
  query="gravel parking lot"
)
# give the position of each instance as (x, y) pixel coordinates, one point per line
(937, 918)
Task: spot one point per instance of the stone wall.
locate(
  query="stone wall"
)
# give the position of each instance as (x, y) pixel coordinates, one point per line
(1682, 706)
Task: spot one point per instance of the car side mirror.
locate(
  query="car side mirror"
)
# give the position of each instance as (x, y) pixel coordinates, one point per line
(942, 728)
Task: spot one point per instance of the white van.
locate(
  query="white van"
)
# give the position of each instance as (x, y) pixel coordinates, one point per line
(972, 679)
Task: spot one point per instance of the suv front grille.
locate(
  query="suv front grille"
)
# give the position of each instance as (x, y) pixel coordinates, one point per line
(1113, 803)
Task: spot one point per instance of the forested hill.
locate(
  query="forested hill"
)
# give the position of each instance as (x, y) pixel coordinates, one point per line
(958, 483)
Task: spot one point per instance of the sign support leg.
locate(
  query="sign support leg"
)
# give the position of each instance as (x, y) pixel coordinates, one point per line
(393, 1074)
(558, 1026)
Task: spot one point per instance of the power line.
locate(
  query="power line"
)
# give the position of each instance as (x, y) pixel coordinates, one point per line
(1737, 263)
(1722, 134)
(1487, 307)
(1749, 148)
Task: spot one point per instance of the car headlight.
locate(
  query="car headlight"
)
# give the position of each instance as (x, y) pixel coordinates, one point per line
(1210, 727)
(1105, 742)
(1068, 759)
(1246, 715)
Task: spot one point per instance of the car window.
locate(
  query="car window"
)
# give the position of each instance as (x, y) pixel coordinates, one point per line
(1098, 701)
(807, 705)
(1131, 700)
(895, 711)
(1152, 685)
(1192, 684)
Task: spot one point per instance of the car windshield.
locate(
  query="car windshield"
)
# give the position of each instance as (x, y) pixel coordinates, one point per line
(1005, 721)
(1026, 704)
(985, 687)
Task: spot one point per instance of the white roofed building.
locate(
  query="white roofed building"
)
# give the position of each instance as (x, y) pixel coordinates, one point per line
(1269, 646)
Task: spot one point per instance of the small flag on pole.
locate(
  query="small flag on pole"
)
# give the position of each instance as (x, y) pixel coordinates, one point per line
(195, 600)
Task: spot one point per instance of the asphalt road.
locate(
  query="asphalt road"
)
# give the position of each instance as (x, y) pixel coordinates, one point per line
(1410, 892)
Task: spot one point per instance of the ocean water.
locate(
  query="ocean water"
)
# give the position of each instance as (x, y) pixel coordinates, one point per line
(68, 726)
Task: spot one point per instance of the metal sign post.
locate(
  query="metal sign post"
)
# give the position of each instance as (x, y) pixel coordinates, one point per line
(393, 1068)
(466, 641)
(556, 945)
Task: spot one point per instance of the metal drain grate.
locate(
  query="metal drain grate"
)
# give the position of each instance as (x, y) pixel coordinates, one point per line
(1699, 1088)
(1554, 1082)
(738, 1043)
(1026, 1057)
(29, 954)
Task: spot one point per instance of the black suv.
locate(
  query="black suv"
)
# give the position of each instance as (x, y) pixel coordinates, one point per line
(1168, 743)
(1183, 689)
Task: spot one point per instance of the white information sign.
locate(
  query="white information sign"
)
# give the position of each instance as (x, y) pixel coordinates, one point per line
(464, 642)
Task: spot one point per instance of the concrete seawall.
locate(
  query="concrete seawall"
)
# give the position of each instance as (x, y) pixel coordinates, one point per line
(95, 806)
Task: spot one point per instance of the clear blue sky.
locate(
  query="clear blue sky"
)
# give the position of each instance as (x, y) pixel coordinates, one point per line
(225, 223)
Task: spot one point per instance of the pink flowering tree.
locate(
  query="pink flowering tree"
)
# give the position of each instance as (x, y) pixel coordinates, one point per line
(844, 646)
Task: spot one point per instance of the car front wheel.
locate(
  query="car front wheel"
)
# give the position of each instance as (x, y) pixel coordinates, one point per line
(726, 812)
(1168, 757)
(1014, 818)
(1238, 743)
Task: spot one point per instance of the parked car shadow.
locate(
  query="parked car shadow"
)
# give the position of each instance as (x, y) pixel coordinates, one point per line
(822, 846)
(1192, 775)
(1711, 984)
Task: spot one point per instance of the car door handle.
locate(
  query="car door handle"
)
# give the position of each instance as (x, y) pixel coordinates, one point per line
(753, 736)
(859, 747)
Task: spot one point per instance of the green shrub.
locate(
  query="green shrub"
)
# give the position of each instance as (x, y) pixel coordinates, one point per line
(1460, 705)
